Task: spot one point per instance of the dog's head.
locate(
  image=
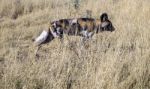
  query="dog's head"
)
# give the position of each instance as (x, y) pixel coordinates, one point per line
(106, 24)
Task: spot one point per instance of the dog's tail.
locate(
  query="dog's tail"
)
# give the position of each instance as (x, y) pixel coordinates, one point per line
(41, 38)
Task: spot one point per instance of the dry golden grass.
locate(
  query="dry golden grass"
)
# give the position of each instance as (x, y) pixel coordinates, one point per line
(117, 60)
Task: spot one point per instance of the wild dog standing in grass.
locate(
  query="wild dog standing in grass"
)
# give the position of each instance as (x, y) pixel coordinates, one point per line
(85, 27)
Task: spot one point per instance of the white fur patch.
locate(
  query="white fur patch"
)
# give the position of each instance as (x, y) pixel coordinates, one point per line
(74, 21)
(43, 36)
(90, 34)
(87, 34)
(84, 33)
(54, 24)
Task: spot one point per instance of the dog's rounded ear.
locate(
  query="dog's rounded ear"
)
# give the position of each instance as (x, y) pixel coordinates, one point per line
(104, 17)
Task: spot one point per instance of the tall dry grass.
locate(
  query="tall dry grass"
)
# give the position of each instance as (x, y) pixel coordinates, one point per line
(117, 60)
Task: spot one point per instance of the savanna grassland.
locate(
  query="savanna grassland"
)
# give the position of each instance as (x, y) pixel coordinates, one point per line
(111, 60)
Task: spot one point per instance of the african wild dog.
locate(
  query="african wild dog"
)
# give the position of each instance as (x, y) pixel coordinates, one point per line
(85, 27)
